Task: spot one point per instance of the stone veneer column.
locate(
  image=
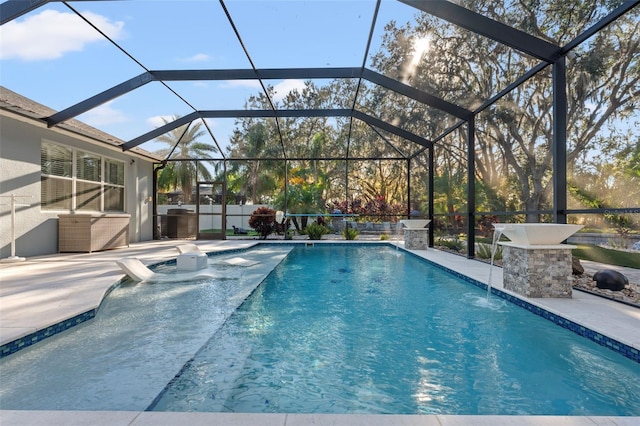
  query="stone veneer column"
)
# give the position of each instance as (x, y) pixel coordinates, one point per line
(416, 239)
(537, 271)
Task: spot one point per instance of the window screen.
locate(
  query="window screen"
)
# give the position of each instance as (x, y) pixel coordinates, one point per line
(55, 193)
(88, 166)
(114, 172)
(55, 160)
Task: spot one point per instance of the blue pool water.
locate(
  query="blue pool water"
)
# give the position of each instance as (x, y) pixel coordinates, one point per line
(332, 329)
(363, 330)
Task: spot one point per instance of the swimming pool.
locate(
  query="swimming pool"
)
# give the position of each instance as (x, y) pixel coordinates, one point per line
(423, 342)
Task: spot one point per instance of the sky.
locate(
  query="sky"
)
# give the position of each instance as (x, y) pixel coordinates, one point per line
(52, 56)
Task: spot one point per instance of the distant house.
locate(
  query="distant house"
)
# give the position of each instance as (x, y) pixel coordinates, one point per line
(71, 168)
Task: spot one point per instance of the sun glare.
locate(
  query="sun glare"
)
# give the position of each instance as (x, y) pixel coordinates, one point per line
(420, 47)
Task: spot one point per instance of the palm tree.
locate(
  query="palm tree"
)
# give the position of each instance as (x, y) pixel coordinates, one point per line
(255, 178)
(183, 146)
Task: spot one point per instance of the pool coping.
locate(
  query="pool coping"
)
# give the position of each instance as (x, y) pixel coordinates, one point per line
(149, 418)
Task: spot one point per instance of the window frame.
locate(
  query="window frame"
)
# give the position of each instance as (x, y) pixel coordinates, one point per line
(102, 186)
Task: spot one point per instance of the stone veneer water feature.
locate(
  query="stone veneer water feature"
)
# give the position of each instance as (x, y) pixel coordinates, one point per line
(534, 263)
(416, 235)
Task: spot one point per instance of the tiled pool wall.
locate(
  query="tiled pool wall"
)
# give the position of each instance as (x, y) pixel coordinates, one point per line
(625, 350)
(33, 338)
(39, 335)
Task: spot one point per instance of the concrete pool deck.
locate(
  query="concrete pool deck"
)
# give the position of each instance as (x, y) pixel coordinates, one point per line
(46, 290)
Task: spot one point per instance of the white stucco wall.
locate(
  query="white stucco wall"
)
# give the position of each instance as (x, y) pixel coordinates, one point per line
(36, 229)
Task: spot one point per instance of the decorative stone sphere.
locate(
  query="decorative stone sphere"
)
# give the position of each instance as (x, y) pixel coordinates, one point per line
(610, 279)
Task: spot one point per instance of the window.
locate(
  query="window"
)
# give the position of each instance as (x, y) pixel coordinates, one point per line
(79, 180)
(88, 166)
(56, 165)
(114, 184)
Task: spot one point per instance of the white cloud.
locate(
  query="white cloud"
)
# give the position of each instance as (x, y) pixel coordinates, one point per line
(198, 57)
(51, 34)
(211, 122)
(159, 120)
(232, 84)
(103, 115)
(283, 88)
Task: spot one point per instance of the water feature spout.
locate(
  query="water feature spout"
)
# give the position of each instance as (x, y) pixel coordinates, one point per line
(539, 233)
(414, 223)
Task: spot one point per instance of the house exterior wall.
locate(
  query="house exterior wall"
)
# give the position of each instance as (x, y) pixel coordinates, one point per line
(36, 230)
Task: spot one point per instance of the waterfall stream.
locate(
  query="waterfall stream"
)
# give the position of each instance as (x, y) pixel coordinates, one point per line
(497, 233)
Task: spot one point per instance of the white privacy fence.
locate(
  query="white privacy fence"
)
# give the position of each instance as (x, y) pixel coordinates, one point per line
(237, 215)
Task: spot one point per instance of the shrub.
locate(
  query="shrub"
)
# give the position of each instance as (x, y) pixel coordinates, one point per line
(452, 244)
(384, 237)
(485, 223)
(263, 220)
(315, 231)
(350, 233)
(484, 251)
(373, 210)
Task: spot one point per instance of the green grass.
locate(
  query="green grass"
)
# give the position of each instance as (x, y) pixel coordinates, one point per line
(605, 255)
(250, 232)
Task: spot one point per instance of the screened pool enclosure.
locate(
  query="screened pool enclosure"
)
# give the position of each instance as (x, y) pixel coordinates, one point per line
(465, 112)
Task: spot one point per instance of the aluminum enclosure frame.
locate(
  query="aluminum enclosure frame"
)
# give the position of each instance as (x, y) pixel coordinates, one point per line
(547, 53)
